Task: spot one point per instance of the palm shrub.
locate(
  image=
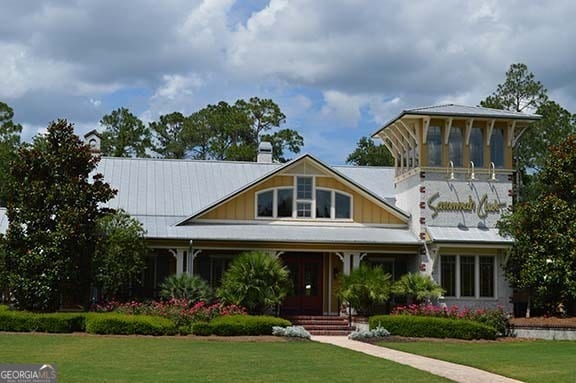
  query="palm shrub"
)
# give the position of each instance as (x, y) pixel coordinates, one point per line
(255, 280)
(184, 286)
(417, 287)
(365, 288)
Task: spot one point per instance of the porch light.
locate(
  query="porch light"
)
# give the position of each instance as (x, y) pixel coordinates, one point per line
(492, 171)
(471, 171)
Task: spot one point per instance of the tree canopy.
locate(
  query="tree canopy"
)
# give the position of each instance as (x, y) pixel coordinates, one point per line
(543, 260)
(367, 153)
(124, 135)
(521, 92)
(9, 143)
(52, 207)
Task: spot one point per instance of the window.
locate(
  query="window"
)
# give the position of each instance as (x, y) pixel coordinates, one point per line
(266, 204)
(455, 146)
(497, 147)
(468, 276)
(284, 202)
(303, 201)
(323, 204)
(343, 206)
(304, 187)
(487, 276)
(448, 275)
(434, 144)
(477, 147)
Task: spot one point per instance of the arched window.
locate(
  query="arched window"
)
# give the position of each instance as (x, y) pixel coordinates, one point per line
(434, 143)
(477, 147)
(455, 146)
(497, 148)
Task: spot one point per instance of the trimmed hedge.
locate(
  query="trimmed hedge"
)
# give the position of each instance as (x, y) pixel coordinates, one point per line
(235, 325)
(433, 327)
(123, 324)
(23, 321)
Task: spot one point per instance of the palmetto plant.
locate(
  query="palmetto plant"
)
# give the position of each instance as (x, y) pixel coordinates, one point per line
(364, 288)
(255, 280)
(417, 287)
(185, 286)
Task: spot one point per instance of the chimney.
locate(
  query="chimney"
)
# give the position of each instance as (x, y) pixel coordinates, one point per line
(93, 139)
(264, 153)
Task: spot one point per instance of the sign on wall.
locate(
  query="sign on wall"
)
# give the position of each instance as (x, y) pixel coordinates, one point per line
(482, 206)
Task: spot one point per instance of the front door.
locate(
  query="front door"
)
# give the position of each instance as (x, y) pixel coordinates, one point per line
(305, 296)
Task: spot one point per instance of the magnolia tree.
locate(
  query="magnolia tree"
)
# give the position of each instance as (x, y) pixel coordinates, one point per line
(52, 207)
(543, 260)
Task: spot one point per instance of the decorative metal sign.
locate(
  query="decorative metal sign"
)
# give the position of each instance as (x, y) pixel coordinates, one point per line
(482, 207)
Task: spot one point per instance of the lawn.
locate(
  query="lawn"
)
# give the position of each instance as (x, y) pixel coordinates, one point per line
(529, 361)
(89, 358)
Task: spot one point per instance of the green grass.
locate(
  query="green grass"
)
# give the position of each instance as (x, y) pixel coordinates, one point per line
(528, 361)
(88, 358)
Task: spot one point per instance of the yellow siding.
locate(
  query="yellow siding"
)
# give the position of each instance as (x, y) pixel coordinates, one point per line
(242, 206)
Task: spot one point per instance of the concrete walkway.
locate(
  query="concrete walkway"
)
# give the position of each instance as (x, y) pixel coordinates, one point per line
(452, 371)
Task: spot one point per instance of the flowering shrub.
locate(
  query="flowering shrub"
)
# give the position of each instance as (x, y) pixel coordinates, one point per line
(181, 311)
(496, 318)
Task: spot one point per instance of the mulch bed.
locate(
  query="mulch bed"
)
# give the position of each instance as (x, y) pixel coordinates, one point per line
(545, 322)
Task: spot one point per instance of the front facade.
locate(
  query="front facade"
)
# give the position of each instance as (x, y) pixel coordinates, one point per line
(434, 212)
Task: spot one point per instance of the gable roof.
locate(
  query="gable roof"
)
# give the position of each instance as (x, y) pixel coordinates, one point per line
(347, 180)
(180, 188)
(454, 110)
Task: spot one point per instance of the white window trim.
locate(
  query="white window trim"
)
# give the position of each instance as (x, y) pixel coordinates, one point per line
(476, 276)
(312, 203)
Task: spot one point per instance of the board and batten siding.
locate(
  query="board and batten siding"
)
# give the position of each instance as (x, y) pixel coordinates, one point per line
(242, 206)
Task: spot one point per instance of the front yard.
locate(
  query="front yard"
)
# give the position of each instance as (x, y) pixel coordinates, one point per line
(89, 358)
(530, 361)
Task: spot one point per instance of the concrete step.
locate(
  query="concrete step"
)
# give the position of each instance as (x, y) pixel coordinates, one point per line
(330, 332)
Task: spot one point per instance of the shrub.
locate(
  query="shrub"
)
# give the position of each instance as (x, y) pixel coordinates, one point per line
(123, 324)
(364, 288)
(181, 311)
(417, 287)
(23, 321)
(378, 332)
(496, 318)
(255, 280)
(202, 329)
(185, 286)
(291, 331)
(234, 325)
(415, 326)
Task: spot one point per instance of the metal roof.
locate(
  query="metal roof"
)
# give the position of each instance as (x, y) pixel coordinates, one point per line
(159, 187)
(3, 221)
(163, 227)
(454, 110)
(468, 235)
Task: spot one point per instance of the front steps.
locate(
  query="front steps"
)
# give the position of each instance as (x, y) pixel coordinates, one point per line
(322, 325)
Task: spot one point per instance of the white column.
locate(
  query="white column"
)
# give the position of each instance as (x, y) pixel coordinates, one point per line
(179, 255)
(192, 254)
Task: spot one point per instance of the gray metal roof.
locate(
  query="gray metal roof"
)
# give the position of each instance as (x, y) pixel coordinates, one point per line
(159, 187)
(163, 227)
(468, 235)
(454, 110)
(3, 221)
(378, 179)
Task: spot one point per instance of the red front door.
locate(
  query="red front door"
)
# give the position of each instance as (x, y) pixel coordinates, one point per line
(305, 296)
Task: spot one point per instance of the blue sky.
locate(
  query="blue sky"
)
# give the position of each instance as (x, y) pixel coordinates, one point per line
(337, 68)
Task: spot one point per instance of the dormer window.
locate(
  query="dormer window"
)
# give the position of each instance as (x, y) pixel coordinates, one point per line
(304, 201)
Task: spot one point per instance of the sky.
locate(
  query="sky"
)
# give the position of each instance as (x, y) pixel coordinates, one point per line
(338, 69)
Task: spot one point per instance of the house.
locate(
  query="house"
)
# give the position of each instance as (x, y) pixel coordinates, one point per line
(434, 212)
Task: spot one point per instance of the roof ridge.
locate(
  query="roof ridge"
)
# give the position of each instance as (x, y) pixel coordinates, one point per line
(189, 160)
